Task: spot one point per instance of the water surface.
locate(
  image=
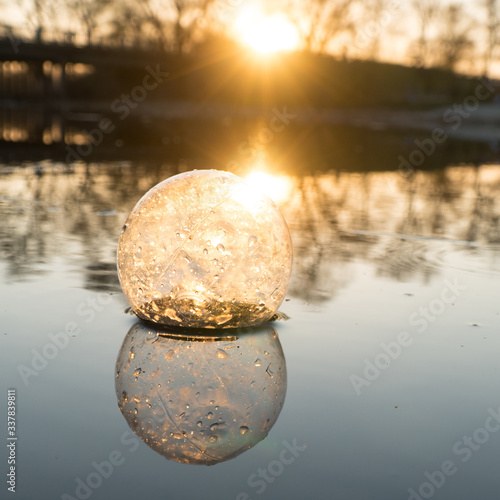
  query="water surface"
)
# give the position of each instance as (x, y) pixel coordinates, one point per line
(390, 349)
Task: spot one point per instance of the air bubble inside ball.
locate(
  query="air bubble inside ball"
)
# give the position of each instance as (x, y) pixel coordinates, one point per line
(205, 250)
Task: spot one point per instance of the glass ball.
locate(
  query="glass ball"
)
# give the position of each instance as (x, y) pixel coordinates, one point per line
(200, 400)
(203, 249)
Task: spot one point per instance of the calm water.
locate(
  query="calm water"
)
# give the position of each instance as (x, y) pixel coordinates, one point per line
(391, 349)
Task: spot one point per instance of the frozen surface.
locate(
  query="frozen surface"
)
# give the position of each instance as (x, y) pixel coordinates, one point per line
(198, 399)
(375, 254)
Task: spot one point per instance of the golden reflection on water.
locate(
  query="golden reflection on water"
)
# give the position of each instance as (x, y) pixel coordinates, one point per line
(277, 187)
(404, 228)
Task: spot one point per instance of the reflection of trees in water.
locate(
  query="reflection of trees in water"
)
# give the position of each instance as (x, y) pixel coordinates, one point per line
(456, 204)
(77, 215)
(320, 250)
(483, 202)
(20, 242)
(342, 218)
(55, 217)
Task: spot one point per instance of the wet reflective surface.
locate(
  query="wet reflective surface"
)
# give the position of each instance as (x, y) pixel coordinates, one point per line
(391, 348)
(200, 400)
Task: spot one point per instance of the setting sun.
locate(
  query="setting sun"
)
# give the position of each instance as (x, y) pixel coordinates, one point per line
(266, 34)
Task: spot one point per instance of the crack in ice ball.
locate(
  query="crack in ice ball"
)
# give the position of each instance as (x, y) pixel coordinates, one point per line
(203, 249)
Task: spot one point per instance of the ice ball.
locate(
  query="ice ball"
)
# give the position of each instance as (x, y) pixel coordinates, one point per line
(203, 249)
(200, 400)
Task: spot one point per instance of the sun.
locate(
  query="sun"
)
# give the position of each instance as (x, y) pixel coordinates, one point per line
(266, 33)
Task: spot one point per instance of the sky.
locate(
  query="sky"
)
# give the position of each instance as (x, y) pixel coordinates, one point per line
(395, 28)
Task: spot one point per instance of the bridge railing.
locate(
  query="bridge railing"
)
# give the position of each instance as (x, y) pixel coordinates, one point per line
(17, 35)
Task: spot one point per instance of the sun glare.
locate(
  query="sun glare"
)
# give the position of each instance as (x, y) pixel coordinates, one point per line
(266, 34)
(278, 188)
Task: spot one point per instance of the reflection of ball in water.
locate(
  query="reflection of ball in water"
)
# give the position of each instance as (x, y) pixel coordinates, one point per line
(201, 400)
(202, 249)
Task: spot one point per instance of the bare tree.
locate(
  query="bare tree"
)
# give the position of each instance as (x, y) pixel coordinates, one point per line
(373, 26)
(3, 24)
(454, 42)
(181, 29)
(174, 23)
(320, 21)
(492, 28)
(153, 18)
(88, 13)
(128, 22)
(38, 15)
(426, 11)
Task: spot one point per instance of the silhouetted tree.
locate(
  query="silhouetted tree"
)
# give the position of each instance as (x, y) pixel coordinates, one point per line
(454, 40)
(153, 18)
(129, 22)
(3, 26)
(181, 29)
(173, 23)
(88, 13)
(492, 28)
(320, 21)
(373, 26)
(426, 12)
(38, 15)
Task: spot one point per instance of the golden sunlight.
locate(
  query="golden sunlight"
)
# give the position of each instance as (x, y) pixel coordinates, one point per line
(278, 188)
(266, 34)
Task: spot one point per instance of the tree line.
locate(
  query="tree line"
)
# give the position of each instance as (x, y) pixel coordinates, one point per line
(436, 33)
